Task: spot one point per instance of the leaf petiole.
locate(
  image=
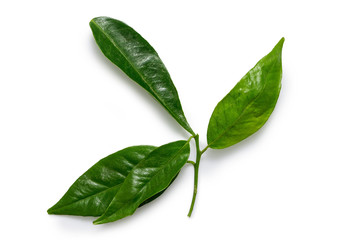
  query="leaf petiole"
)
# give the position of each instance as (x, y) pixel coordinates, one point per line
(204, 150)
(191, 162)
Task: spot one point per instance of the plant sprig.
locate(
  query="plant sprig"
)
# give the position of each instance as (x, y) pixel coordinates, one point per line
(120, 183)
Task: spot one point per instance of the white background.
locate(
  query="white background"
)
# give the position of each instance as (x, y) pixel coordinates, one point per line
(64, 106)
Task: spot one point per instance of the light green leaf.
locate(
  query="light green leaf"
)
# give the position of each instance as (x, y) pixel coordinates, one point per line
(246, 108)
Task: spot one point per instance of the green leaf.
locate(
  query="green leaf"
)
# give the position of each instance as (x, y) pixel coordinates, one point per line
(246, 108)
(148, 178)
(158, 194)
(128, 50)
(92, 192)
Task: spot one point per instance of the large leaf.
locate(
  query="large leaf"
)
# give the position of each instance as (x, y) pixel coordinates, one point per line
(128, 50)
(92, 192)
(148, 178)
(246, 108)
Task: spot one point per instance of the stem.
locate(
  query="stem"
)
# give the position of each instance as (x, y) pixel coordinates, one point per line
(196, 173)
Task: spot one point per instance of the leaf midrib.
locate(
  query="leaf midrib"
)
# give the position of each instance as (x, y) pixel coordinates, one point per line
(175, 155)
(92, 195)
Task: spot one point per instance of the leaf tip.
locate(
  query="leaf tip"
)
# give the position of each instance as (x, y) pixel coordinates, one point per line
(98, 20)
(51, 210)
(92, 21)
(280, 44)
(101, 220)
(98, 221)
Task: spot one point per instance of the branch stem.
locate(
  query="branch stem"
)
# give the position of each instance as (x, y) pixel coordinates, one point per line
(196, 173)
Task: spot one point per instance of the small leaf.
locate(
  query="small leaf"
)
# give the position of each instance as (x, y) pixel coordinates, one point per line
(128, 50)
(92, 192)
(149, 177)
(246, 108)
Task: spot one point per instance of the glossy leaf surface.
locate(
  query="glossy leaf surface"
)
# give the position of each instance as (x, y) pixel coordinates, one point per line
(158, 194)
(246, 108)
(128, 50)
(92, 192)
(148, 178)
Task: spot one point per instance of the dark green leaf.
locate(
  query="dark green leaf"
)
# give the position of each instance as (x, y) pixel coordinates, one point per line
(246, 108)
(92, 192)
(128, 50)
(148, 178)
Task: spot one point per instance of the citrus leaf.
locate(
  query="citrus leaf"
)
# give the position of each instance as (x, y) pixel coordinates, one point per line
(148, 178)
(93, 191)
(128, 50)
(247, 107)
